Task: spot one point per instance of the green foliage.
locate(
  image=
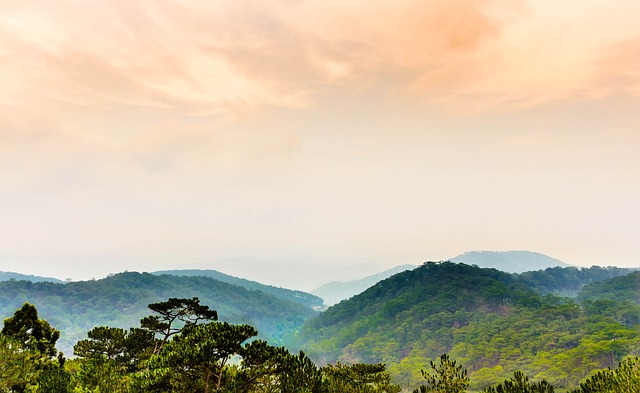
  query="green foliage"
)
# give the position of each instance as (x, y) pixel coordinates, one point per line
(127, 348)
(98, 374)
(33, 333)
(28, 355)
(519, 383)
(19, 366)
(54, 379)
(300, 376)
(175, 315)
(445, 377)
(103, 341)
(624, 379)
(624, 288)
(357, 378)
(196, 360)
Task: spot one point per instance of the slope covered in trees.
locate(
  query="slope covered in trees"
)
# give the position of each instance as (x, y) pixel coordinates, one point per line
(624, 288)
(568, 281)
(295, 296)
(493, 322)
(182, 347)
(121, 300)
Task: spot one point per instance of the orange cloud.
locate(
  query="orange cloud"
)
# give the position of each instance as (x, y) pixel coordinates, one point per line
(232, 58)
(618, 69)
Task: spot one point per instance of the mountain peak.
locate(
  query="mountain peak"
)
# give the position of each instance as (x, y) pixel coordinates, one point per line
(509, 261)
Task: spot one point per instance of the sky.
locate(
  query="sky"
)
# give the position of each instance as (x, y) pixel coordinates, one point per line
(161, 134)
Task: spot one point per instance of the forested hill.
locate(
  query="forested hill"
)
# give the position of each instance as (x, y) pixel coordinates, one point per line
(291, 295)
(568, 281)
(491, 321)
(121, 300)
(416, 294)
(621, 289)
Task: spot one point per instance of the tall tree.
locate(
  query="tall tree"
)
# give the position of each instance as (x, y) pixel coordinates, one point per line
(174, 315)
(127, 348)
(519, 383)
(445, 377)
(357, 378)
(18, 366)
(625, 378)
(32, 332)
(197, 359)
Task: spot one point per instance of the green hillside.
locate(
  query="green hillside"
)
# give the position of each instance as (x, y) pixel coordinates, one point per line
(492, 322)
(121, 300)
(624, 289)
(304, 298)
(568, 281)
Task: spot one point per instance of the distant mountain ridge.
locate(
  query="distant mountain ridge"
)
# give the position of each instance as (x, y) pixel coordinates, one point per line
(121, 300)
(509, 261)
(292, 295)
(336, 291)
(300, 272)
(6, 276)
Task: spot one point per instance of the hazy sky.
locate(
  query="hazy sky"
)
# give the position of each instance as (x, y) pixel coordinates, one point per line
(162, 133)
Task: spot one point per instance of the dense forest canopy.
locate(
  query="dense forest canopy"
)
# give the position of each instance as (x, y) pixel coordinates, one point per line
(493, 322)
(182, 347)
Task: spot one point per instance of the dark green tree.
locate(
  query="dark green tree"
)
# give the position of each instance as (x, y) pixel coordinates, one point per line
(357, 378)
(54, 379)
(174, 315)
(301, 375)
(196, 360)
(99, 374)
(32, 332)
(32, 341)
(103, 341)
(625, 378)
(268, 369)
(18, 365)
(127, 348)
(445, 377)
(519, 383)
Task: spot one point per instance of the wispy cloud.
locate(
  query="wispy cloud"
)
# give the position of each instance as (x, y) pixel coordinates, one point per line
(232, 57)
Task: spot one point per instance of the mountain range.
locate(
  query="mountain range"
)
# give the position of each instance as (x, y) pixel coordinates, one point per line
(121, 300)
(493, 322)
(555, 322)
